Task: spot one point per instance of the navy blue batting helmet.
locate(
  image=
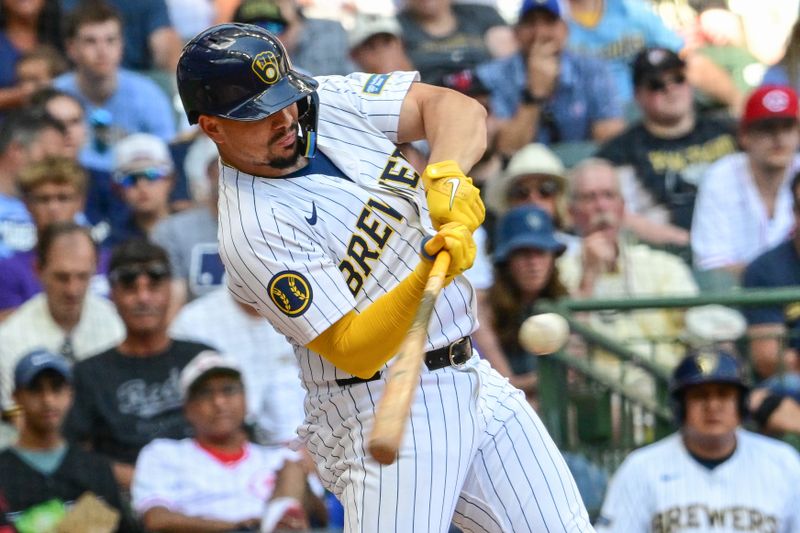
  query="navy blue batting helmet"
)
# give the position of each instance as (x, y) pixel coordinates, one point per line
(706, 366)
(242, 72)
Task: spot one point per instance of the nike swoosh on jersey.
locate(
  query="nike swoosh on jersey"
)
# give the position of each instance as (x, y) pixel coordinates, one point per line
(313, 218)
(454, 183)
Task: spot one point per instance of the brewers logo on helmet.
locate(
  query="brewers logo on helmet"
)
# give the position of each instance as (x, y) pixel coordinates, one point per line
(265, 65)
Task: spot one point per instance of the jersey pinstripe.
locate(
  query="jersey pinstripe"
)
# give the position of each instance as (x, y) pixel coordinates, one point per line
(662, 489)
(304, 250)
(264, 228)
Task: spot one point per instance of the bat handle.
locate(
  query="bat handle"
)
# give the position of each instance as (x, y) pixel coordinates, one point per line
(439, 269)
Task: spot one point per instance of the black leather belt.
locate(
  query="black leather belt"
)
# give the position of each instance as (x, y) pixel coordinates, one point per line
(456, 354)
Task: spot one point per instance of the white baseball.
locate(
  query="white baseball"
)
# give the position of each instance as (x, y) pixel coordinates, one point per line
(544, 334)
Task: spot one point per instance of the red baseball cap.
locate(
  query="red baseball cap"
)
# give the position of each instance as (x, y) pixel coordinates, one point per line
(769, 102)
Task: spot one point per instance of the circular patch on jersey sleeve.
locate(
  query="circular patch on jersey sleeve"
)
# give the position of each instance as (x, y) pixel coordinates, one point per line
(290, 292)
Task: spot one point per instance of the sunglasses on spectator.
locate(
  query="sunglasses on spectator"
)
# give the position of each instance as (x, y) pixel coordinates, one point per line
(273, 26)
(658, 85)
(126, 181)
(522, 191)
(126, 275)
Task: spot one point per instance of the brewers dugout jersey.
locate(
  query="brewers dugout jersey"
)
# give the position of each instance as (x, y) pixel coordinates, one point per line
(662, 489)
(306, 250)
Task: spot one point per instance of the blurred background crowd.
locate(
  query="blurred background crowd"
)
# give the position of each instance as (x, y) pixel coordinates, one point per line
(637, 149)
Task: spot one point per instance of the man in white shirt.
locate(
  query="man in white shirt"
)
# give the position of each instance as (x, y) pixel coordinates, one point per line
(218, 481)
(608, 263)
(64, 319)
(744, 205)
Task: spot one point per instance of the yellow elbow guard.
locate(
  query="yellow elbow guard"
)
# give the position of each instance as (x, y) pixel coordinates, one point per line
(361, 343)
(329, 344)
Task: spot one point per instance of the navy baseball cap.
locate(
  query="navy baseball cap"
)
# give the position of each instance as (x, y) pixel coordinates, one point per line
(553, 6)
(526, 226)
(36, 362)
(651, 62)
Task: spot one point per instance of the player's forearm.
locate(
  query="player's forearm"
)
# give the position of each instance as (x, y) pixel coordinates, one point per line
(455, 128)
(360, 343)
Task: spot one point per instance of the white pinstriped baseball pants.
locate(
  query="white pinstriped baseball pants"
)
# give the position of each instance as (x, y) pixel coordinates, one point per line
(474, 452)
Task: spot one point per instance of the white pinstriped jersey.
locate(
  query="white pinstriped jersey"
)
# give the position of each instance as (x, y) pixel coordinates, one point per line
(305, 251)
(662, 489)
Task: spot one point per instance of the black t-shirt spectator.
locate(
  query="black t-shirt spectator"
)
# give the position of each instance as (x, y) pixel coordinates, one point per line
(465, 48)
(25, 491)
(668, 170)
(122, 402)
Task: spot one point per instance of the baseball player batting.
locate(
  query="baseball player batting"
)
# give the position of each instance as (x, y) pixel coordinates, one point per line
(322, 223)
(711, 476)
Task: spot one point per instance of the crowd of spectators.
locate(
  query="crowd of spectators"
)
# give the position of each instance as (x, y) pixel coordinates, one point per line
(636, 149)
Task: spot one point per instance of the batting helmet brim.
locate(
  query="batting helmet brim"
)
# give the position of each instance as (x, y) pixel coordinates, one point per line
(291, 88)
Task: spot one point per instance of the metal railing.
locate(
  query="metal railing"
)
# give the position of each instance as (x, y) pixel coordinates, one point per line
(600, 416)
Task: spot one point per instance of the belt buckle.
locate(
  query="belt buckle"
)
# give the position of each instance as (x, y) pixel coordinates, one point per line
(452, 348)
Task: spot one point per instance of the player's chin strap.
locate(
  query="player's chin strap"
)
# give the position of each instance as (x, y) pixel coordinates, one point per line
(309, 144)
(307, 124)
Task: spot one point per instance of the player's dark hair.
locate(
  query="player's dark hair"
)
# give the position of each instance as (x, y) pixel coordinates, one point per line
(136, 252)
(90, 12)
(24, 127)
(51, 233)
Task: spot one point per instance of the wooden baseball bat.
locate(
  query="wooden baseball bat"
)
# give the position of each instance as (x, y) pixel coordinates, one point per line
(391, 415)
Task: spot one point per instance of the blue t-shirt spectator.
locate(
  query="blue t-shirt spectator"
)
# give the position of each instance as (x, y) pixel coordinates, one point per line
(778, 267)
(141, 18)
(137, 106)
(17, 232)
(625, 27)
(584, 94)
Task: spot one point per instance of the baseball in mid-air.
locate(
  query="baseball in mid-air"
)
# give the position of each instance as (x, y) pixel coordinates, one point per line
(544, 334)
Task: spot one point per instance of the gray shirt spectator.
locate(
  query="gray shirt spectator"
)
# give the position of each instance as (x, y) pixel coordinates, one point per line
(446, 39)
(317, 46)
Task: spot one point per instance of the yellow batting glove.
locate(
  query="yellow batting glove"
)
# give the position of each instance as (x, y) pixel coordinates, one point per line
(451, 196)
(457, 239)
